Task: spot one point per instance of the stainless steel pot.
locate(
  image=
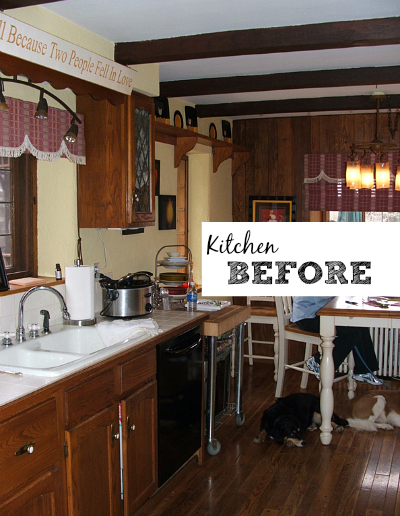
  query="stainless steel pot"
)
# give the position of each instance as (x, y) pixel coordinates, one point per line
(129, 296)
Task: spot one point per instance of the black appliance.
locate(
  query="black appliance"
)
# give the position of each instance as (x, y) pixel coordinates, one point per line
(179, 384)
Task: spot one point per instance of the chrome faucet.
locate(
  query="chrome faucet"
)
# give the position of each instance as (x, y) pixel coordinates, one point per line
(20, 331)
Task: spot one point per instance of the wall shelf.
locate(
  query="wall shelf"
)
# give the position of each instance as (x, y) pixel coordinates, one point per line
(184, 140)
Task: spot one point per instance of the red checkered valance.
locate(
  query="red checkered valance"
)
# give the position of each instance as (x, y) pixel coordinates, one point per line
(325, 185)
(21, 132)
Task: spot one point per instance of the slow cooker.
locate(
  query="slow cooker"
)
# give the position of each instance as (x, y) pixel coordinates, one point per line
(130, 296)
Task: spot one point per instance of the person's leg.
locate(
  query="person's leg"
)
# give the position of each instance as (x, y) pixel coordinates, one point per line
(347, 337)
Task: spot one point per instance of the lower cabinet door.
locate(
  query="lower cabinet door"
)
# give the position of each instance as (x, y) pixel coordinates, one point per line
(41, 498)
(139, 445)
(93, 466)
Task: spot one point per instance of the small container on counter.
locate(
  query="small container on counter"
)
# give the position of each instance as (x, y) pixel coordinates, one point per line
(166, 303)
(58, 272)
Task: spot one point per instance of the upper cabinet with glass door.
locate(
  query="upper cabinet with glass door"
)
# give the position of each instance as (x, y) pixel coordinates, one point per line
(116, 186)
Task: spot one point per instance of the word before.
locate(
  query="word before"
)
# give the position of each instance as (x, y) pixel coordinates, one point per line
(308, 272)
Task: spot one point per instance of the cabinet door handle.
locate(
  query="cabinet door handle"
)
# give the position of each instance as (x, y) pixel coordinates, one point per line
(26, 448)
(114, 435)
(129, 427)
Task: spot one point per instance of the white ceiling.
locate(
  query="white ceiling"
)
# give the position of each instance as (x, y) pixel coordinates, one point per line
(141, 20)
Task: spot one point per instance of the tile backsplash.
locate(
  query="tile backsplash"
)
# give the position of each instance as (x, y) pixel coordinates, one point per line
(39, 300)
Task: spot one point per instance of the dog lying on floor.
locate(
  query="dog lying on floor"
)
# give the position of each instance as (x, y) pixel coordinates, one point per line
(288, 417)
(376, 409)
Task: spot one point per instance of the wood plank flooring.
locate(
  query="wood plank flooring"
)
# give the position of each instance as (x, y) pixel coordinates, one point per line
(356, 475)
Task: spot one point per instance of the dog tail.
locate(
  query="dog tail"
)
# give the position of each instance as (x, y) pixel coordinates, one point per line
(362, 424)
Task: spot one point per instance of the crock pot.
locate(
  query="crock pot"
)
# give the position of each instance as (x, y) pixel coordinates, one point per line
(130, 296)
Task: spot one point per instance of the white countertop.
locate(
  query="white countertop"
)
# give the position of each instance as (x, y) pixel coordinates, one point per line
(13, 387)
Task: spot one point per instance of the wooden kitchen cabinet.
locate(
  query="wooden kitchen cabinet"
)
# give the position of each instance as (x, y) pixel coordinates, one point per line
(30, 452)
(139, 446)
(116, 186)
(93, 439)
(93, 466)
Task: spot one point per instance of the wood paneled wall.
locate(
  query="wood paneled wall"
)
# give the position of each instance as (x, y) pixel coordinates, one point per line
(278, 145)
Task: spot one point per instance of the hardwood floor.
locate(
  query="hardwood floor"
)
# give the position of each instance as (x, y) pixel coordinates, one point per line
(357, 474)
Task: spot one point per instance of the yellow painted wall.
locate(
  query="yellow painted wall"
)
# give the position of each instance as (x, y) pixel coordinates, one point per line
(209, 194)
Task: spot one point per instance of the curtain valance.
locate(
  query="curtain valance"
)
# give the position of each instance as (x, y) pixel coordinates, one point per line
(325, 185)
(21, 132)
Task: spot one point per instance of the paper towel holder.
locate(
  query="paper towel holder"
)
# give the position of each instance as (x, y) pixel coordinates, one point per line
(82, 322)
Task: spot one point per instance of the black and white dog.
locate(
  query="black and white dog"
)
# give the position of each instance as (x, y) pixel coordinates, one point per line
(288, 417)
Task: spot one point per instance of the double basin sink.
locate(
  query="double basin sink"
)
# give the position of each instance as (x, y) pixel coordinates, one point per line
(58, 353)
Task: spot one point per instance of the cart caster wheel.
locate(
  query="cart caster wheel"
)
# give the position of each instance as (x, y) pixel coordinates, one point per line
(240, 418)
(214, 447)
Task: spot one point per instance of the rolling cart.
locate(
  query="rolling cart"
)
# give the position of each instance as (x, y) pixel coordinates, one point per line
(218, 323)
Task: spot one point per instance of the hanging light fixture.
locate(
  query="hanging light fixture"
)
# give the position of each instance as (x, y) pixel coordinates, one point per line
(376, 146)
(42, 107)
(382, 175)
(397, 180)
(3, 103)
(367, 176)
(72, 133)
(353, 175)
(42, 110)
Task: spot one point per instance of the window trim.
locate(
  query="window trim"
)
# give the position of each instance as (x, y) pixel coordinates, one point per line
(24, 216)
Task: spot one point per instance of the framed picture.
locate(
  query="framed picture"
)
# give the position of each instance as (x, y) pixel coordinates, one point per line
(166, 212)
(161, 108)
(226, 130)
(191, 117)
(272, 209)
(3, 276)
(157, 177)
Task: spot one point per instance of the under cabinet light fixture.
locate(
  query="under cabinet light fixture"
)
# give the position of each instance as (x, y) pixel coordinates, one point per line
(42, 108)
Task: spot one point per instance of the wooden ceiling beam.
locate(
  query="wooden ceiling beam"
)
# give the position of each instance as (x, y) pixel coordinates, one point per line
(14, 4)
(307, 105)
(318, 36)
(282, 81)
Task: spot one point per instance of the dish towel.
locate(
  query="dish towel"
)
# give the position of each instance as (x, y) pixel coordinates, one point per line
(114, 332)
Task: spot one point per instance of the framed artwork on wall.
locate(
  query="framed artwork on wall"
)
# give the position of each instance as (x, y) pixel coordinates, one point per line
(272, 209)
(161, 108)
(166, 212)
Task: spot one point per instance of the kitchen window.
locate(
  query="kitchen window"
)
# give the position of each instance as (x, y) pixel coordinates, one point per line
(18, 215)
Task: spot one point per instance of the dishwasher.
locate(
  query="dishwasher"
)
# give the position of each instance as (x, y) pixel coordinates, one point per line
(179, 385)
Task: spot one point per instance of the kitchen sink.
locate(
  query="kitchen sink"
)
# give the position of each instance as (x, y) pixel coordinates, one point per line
(58, 353)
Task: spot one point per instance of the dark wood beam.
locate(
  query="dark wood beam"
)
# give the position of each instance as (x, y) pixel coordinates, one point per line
(308, 105)
(282, 81)
(318, 36)
(14, 4)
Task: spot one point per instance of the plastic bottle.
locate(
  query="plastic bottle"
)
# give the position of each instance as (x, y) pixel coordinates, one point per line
(191, 297)
(58, 272)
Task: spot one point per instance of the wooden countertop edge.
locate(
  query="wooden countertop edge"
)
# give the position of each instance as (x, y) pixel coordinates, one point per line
(14, 289)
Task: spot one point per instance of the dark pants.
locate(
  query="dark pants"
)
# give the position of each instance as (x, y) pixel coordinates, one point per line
(347, 338)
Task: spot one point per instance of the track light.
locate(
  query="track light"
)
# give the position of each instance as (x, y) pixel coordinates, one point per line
(42, 110)
(42, 107)
(72, 133)
(3, 103)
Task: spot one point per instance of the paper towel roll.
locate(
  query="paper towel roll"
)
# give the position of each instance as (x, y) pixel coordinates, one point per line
(79, 291)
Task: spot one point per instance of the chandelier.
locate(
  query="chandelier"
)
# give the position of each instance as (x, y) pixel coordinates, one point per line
(360, 175)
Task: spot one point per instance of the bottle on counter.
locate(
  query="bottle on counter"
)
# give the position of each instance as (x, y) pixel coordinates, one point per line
(58, 272)
(191, 297)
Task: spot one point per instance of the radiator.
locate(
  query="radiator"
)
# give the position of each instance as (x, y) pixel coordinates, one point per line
(386, 344)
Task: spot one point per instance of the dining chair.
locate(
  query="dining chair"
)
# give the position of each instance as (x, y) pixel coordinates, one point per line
(262, 315)
(288, 331)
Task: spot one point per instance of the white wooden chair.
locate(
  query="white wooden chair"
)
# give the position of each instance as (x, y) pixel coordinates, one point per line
(262, 315)
(290, 331)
